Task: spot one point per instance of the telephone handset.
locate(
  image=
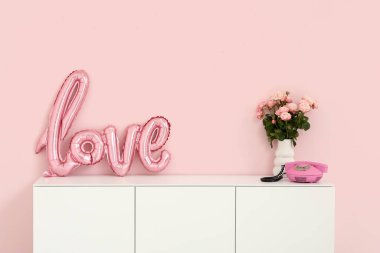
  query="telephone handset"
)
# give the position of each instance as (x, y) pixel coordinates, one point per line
(305, 165)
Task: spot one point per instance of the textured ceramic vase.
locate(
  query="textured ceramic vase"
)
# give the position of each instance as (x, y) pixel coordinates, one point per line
(284, 153)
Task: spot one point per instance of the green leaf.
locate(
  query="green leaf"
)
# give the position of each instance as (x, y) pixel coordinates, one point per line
(280, 123)
(306, 126)
(266, 121)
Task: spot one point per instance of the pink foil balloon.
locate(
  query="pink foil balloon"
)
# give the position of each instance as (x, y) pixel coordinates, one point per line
(153, 136)
(120, 163)
(87, 147)
(66, 106)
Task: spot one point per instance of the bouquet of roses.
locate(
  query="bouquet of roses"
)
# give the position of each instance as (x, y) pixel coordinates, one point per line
(282, 117)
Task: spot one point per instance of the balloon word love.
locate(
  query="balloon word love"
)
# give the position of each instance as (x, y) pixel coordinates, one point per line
(88, 147)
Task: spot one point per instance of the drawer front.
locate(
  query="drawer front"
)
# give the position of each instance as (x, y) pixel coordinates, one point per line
(185, 219)
(83, 219)
(285, 219)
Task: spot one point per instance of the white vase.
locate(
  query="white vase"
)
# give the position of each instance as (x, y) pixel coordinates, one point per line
(284, 153)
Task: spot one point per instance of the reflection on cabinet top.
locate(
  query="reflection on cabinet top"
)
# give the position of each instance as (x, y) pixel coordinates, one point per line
(168, 180)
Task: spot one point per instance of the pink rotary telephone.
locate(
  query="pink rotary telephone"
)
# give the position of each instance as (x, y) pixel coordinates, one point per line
(305, 172)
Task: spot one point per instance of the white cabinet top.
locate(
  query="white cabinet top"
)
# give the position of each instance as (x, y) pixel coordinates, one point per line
(169, 180)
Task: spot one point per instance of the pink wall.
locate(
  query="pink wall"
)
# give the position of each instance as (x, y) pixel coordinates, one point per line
(209, 62)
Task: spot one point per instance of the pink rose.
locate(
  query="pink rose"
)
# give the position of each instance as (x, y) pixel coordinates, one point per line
(260, 115)
(308, 99)
(280, 95)
(260, 107)
(311, 102)
(262, 104)
(289, 99)
(273, 121)
(281, 110)
(292, 107)
(271, 103)
(285, 116)
(304, 106)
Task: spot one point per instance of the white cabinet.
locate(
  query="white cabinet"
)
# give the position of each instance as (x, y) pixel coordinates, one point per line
(285, 219)
(185, 219)
(181, 214)
(83, 219)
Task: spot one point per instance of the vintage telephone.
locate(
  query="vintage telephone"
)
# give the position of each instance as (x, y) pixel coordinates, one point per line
(300, 172)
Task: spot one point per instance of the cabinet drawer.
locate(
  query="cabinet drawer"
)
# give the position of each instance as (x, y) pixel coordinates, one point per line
(83, 219)
(185, 219)
(285, 219)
